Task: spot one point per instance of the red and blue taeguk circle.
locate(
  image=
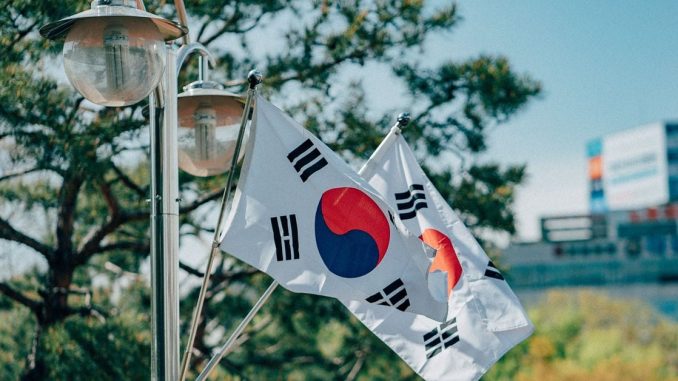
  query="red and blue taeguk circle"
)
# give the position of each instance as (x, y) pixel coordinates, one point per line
(351, 232)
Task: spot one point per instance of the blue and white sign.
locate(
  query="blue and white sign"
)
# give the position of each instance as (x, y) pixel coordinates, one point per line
(635, 168)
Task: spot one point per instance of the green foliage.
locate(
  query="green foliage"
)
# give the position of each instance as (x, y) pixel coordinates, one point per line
(16, 333)
(78, 349)
(87, 349)
(587, 336)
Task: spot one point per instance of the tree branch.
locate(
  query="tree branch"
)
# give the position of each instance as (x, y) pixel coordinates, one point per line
(128, 182)
(9, 233)
(92, 243)
(68, 195)
(202, 30)
(231, 25)
(191, 270)
(221, 280)
(214, 195)
(74, 111)
(18, 174)
(89, 310)
(17, 296)
(355, 370)
(20, 35)
(111, 201)
(281, 79)
(227, 23)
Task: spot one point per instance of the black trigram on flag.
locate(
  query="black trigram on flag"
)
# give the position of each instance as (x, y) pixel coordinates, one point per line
(393, 295)
(286, 237)
(441, 338)
(410, 201)
(306, 159)
(492, 271)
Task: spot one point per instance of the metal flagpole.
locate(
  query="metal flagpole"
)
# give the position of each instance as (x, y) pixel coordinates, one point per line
(254, 78)
(402, 121)
(241, 327)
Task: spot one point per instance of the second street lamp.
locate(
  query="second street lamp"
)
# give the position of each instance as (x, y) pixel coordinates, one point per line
(208, 130)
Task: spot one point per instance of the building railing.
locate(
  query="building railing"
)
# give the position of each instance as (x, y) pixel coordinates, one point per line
(594, 273)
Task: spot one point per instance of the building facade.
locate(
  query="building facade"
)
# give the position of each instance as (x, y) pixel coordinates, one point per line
(635, 168)
(628, 242)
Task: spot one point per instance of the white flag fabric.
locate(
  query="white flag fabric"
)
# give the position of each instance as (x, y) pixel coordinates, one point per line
(304, 217)
(485, 318)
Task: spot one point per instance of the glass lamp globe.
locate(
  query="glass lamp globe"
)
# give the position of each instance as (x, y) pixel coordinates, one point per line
(115, 61)
(208, 128)
(114, 53)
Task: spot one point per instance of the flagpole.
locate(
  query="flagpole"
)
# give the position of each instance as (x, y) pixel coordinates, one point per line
(238, 330)
(254, 78)
(402, 121)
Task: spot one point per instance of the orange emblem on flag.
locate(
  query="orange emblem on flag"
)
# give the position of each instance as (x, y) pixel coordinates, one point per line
(446, 257)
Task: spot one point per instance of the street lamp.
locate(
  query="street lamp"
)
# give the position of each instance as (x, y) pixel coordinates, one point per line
(208, 130)
(115, 55)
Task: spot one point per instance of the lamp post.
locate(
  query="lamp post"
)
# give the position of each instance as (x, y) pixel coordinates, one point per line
(114, 55)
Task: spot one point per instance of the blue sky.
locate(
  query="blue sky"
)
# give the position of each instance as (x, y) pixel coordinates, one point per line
(605, 66)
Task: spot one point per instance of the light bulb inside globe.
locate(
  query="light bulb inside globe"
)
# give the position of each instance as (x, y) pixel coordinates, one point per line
(116, 47)
(114, 61)
(205, 132)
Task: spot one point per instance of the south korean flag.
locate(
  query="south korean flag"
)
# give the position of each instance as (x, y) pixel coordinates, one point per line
(304, 217)
(485, 318)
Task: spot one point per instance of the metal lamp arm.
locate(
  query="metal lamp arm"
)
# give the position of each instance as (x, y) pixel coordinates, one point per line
(206, 58)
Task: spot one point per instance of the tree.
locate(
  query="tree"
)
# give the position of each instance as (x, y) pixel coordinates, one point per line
(75, 180)
(593, 337)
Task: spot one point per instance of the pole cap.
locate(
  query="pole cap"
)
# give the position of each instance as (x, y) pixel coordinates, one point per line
(254, 77)
(403, 119)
